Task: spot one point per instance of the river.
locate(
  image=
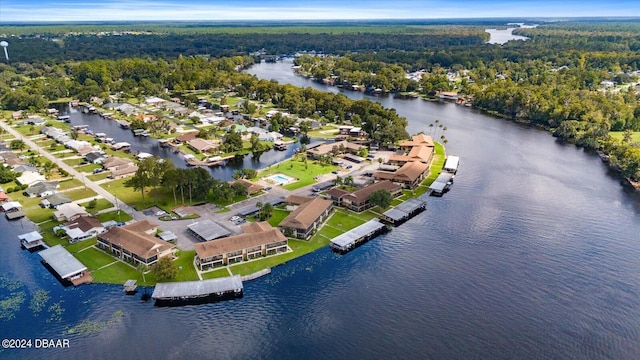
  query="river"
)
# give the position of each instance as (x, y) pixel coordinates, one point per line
(533, 254)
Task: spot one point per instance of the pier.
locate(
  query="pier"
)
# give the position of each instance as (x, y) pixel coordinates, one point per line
(31, 241)
(210, 162)
(197, 292)
(441, 185)
(357, 236)
(403, 212)
(65, 266)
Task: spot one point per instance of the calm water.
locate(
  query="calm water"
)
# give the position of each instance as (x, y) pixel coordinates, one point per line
(502, 36)
(534, 254)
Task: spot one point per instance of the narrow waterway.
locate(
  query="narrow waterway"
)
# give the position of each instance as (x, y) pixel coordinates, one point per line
(533, 254)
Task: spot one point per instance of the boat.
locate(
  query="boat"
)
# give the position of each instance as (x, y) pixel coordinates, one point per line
(65, 118)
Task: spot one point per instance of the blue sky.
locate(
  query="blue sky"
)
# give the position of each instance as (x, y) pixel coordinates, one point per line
(123, 10)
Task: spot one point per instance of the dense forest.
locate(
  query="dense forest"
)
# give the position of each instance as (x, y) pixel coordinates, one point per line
(552, 80)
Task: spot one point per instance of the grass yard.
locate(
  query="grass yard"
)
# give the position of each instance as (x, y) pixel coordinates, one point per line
(69, 184)
(134, 198)
(277, 217)
(113, 215)
(73, 162)
(101, 204)
(120, 272)
(38, 214)
(305, 173)
(74, 248)
(79, 194)
(88, 168)
(326, 132)
(215, 274)
(94, 259)
(184, 263)
(49, 237)
(101, 176)
(345, 219)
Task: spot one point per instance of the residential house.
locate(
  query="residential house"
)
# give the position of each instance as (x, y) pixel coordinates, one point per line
(186, 137)
(271, 136)
(30, 177)
(24, 168)
(410, 175)
(82, 228)
(293, 201)
(41, 187)
(69, 212)
(17, 114)
(6, 156)
(250, 186)
(420, 153)
(202, 145)
(55, 200)
(359, 200)
(111, 163)
(123, 171)
(35, 120)
(134, 244)
(259, 239)
(303, 221)
(339, 147)
(95, 157)
(154, 101)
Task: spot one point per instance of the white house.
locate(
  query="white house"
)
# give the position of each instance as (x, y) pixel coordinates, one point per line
(30, 177)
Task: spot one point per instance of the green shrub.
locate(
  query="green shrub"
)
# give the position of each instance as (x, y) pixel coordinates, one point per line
(23, 187)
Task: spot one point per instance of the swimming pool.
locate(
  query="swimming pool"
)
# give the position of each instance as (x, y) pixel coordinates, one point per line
(281, 179)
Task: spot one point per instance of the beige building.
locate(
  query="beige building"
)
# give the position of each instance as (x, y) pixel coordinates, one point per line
(135, 243)
(306, 218)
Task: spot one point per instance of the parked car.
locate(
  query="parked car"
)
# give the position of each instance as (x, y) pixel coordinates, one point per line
(268, 188)
(349, 167)
(161, 213)
(335, 172)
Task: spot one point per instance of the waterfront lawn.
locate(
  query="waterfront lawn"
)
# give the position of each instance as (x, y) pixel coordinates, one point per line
(38, 214)
(113, 215)
(619, 135)
(88, 168)
(80, 194)
(119, 272)
(46, 230)
(73, 162)
(215, 274)
(277, 217)
(101, 176)
(134, 198)
(94, 259)
(297, 169)
(345, 219)
(184, 264)
(326, 132)
(101, 204)
(69, 184)
(79, 246)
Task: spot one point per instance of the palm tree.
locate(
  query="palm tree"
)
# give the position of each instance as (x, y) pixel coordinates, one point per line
(348, 181)
(380, 162)
(431, 129)
(338, 181)
(259, 205)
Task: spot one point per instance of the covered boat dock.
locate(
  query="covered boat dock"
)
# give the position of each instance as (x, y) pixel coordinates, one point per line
(189, 292)
(357, 236)
(451, 165)
(403, 212)
(32, 240)
(66, 267)
(441, 185)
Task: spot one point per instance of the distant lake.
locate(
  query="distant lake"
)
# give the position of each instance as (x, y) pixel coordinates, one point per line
(502, 36)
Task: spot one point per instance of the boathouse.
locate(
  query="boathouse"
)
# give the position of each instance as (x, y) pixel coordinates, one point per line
(31, 240)
(65, 266)
(451, 165)
(403, 212)
(442, 184)
(186, 292)
(357, 236)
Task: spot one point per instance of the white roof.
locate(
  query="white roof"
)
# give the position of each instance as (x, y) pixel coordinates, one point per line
(452, 162)
(30, 177)
(196, 288)
(62, 261)
(143, 155)
(153, 99)
(11, 205)
(29, 237)
(69, 210)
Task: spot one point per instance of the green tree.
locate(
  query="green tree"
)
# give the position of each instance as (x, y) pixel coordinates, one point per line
(17, 144)
(380, 198)
(164, 269)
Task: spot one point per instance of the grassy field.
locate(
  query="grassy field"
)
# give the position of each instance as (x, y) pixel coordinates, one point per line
(184, 263)
(79, 194)
(635, 136)
(101, 204)
(93, 258)
(74, 248)
(101, 176)
(73, 162)
(69, 184)
(305, 173)
(114, 215)
(277, 217)
(326, 132)
(119, 272)
(88, 168)
(223, 272)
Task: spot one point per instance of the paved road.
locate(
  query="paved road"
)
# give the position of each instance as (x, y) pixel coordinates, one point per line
(73, 172)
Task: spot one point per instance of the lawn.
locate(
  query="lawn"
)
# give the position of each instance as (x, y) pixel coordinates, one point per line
(184, 263)
(69, 184)
(635, 136)
(73, 162)
(74, 248)
(38, 214)
(49, 237)
(117, 215)
(103, 175)
(277, 217)
(120, 272)
(326, 132)
(101, 204)
(305, 173)
(345, 219)
(93, 258)
(79, 194)
(220, 273)
(88, 168)
(134, 198)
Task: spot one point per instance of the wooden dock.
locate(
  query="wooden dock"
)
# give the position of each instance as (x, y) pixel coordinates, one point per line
(130, 287)
(208, 162)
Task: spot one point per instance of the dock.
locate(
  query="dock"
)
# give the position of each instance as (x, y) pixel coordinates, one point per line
(403, 212)
(357, 236)
(197, 292)
(65, 266)
(130, 287)
(452, 163)
(442, 184)
(210, 162)
(31, 241)
(14, 214)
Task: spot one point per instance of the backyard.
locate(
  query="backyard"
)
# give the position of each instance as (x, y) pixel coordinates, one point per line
(305, 172)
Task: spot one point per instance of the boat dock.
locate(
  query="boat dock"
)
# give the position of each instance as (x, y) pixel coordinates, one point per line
(442, 184)
(403, 212)
(357, 236)
(197, 292)
(130, 287)
(452, 163)
(14, 214)
(31, 241)
(65, 266)
(210, 162)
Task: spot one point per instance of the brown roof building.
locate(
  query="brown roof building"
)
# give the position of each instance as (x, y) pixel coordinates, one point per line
(259, 239)
(303, 221)
(409, 175)
(112, 162)
(296, 200)
(250, 186)
(82, 228)
(340, 147)
(417, 140)
(187, 136)
(359, 199)
(134, 244)
(202, 145)
(123, 171)
(420, 153)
